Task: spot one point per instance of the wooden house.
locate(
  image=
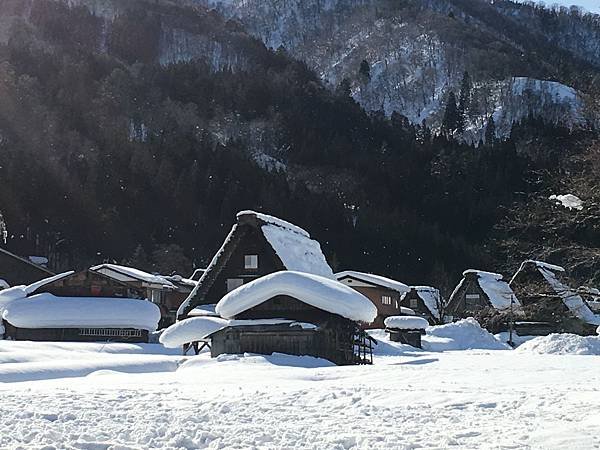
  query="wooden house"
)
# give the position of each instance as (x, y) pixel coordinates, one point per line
(286, 312)
(425, 301)
(479, 290)
(15, 270)
(546, 296)
(46, 317)
(383, 292)
(77, 306)
(257, 245)
(167, 294)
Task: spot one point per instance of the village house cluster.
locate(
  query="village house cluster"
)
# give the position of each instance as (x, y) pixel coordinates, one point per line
(269, 288)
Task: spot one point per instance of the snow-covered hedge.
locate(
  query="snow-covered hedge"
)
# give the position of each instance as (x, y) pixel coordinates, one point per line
(406, 323)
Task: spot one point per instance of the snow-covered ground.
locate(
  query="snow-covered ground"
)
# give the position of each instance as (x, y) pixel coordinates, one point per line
(435, 398)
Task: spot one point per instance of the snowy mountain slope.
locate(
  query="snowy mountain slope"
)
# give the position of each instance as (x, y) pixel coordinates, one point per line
(417, 52)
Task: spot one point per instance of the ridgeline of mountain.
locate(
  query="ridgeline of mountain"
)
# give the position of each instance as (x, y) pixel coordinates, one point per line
(134, 131)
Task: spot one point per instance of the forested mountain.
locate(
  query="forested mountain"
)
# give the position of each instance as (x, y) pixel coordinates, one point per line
(133, 131)
(409, 55)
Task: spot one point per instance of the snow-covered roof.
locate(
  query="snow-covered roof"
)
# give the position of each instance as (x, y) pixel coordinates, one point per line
(297, 251)
(20, 292)
(132, 273)
(320, 292)
(571, 299)
(48, 311)
(374, 279)
(272, 220)
(497, 290)
(178, 279)
(38, 284)
(406, 323)
(431, 298)
(203, 310)
(199, 328)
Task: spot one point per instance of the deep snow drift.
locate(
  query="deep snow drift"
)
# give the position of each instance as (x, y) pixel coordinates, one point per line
(563, 344)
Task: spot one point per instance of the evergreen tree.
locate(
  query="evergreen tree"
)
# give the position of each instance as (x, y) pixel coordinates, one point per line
(465, 93)
(344, 89)
(490, 131)
(451, 121)
(139, 259)
(365, 71)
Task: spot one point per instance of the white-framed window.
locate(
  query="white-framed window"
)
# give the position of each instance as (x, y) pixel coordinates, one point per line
(386, 299)
(156, 296)
(471, 300)
(414, 303)
(251, 262)
(234, 283)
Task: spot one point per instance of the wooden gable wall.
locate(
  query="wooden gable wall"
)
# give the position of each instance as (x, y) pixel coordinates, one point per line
(460, 305)
(245, 240)
(421, 309)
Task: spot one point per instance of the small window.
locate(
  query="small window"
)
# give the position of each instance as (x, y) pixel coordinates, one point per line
(386, 299)
(414, 303)
(234, 283)
(251, 262)
(156, 297)
(471, 300)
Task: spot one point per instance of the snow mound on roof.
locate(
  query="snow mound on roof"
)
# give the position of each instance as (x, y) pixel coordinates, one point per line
(562, 344)
(320, 292)
(134, 273)
(199, 328)
(568, 201)
(47, 311)
(498, 290)
(465, 334)
(274, 221)
(191, 330)
(297, 251)
(406, 323)
(375, 279)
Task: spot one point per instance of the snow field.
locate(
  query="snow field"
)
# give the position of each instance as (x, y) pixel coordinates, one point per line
(486, 397)
(433, 400)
